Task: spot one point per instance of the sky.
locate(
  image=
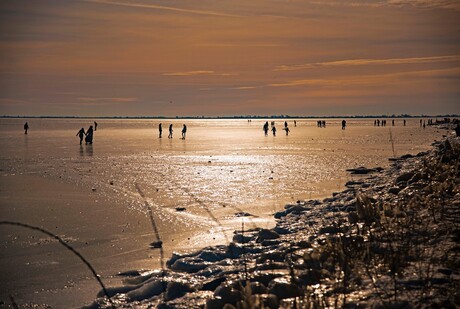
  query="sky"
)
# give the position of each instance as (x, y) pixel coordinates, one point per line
(229, 57)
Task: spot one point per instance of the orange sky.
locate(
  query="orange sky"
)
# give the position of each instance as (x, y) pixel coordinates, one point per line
(239, 57)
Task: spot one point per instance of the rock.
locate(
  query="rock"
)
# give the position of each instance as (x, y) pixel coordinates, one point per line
(361, 170)
(129, 273)
(394, 190)
(268, 300)
(303, 244)
(329, 230)
(212, 270)
(405, 177)
(189, 265)
(242, 214)
(228, 294)
(235, 250)
(281, 230)
(177, 289)
(270, 242)
(210, 256)
(147, 290)
(241, 239)
(156, 244)
(282, 288)
(353, 217)
(181, 209)
(406, 156)
(266, 277)
(265, 234)
(258, 288)
(214, 303)
(213, 284)
(280, 214)
(415, 178)
(353, 183)
(112, 291)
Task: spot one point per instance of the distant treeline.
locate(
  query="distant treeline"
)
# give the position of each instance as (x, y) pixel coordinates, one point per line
(235, 117)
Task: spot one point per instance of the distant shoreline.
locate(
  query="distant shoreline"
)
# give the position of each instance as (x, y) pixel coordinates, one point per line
(232, 117)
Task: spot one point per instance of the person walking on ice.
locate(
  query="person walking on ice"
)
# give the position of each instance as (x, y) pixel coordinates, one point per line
(26, 127)
(80, 134)
(287, 130)
(170, 131)
(184, 131)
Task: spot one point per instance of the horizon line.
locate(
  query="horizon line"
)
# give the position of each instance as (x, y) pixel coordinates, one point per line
(229, 117)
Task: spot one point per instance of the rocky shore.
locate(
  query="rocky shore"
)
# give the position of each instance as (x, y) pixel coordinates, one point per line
(389, 240)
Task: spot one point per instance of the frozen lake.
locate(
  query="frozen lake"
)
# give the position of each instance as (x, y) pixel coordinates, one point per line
(222, 167)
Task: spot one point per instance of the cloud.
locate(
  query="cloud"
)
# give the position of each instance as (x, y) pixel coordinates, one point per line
(373, 79)
(246, 87)
(427, 4)
(356, 62)
(200, 72)
(13, 102)
(421, 4)
(162, 7)
(106, 100)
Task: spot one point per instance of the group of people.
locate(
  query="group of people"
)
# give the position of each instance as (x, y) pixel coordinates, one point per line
(88, 134)
(321, 123)
(170, 135)
(273, 128)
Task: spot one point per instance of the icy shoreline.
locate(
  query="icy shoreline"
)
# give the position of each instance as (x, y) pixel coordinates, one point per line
(388, 239)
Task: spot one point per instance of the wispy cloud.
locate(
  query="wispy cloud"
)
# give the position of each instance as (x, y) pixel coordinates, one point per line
(356, 62)
(107, 100)
(427, 4)
(247, 87)
(162, 7)
(200, 72)
(421, 4)
(372, 79)
(13, 102)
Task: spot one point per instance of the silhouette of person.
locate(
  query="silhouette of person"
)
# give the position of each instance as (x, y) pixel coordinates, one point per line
(393, 122)
(287, 130)
(274, 130)
(160, 129)
(424, 124)
(324, 123)
(95, 126)
(170, 131)
(285, 124)
(457, 129)
(89, 135)
(404, 122)
(184, 131)
(344, 124)
(420, 123)
(80, 134)
(266, 128)
(295, 123)
(26, 127)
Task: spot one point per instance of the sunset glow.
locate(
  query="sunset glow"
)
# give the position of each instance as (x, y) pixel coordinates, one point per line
(223, 58)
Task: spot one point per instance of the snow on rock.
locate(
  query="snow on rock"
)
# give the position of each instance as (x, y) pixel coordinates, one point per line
(367, 246)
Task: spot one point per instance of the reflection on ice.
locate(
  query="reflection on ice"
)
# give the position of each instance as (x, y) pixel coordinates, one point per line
(223, 166)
